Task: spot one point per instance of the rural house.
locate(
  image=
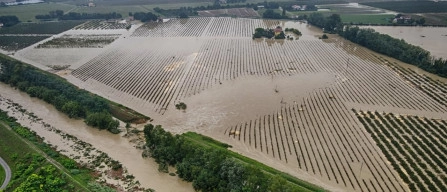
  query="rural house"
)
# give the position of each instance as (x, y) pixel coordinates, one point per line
(277, 30)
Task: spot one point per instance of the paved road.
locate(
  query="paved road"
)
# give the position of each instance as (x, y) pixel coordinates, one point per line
(8, 173)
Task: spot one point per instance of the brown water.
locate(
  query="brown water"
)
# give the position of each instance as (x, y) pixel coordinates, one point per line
(117, 147)
(433, 39)
(241, 100)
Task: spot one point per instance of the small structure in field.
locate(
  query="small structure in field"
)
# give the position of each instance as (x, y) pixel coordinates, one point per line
(278, 30)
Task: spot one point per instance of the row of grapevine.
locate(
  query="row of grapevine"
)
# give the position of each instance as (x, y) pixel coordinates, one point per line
(79, 41)
(322, 138)
(101, 25)
(413, 145)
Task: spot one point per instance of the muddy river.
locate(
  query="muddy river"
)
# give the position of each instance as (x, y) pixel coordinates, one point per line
(116, 146)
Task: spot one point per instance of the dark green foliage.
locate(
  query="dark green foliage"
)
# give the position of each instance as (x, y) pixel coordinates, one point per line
(31, 171)
(65, 97)
(143, 17)
(51, 15)
(270, 14)
(396, 48)
(411, 6)
(293, 30)
(260, 32)
(324, 36)
(183, 15)
(9, 20)
(209, 166)
(331, 24)
(102, 120)
(181, 106)
(82, 16)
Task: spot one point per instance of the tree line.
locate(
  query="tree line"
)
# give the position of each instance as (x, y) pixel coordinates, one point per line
(59, 14)
(65, 97)
(9, 20)
(210, 166)
(396, 48)
(143, 17)
(330, 24)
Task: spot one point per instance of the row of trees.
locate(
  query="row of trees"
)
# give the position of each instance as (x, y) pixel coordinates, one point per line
(396, 48)
(149, 16)
(330, 24)
(192, 11)
(9, 20)
(270, 14)
(59, 14)
(65, 97)
(210, 168)
(268, 33)
(293, 30)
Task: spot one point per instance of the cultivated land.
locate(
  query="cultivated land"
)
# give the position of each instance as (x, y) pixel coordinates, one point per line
(286, 103)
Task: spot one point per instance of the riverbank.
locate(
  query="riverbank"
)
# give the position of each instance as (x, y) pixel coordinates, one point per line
(57, 129)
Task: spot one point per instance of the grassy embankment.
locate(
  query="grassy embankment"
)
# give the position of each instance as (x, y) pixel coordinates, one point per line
(25, 153)
(211, 143)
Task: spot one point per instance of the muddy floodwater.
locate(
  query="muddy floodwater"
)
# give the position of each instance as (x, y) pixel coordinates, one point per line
(433, 39)
(286, 103)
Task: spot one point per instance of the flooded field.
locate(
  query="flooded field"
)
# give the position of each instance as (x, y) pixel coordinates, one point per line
(286, 103)
(354, 8)
(433, 39)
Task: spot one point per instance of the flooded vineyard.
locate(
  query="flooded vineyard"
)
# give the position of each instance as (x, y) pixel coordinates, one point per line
(286, 103)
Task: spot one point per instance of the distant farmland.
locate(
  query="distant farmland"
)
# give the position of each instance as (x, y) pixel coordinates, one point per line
(411, 6)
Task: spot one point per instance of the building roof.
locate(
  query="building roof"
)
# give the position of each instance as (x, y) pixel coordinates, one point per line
(278, 29)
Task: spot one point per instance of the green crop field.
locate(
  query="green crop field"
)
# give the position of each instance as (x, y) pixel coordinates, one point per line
(366, 19)
(26, 160)
(12, 43)
(28, 12)
(40, 28)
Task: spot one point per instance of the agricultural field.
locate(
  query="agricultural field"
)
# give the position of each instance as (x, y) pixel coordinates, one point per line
(380, 19)
(353, 8)
(411, 6)
(414, 145)
(235, 12)
(40, 28)
(28, 12)
(291, 104)
(99, 25)
(25, 34)
(17, 42)
(79, 41)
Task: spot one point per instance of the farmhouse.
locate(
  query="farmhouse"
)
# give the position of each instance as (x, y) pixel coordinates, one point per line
(277, 30)
(1, 25)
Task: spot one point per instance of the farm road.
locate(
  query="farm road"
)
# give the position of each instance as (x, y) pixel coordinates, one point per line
(7, 171)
